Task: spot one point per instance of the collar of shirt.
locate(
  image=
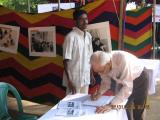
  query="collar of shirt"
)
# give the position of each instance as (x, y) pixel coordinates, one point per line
(80, 32)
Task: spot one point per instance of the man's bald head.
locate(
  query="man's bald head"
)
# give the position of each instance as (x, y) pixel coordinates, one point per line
(100, 62)
(100, 57)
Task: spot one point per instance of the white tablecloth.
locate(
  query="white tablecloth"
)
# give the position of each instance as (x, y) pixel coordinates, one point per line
(90, 114)
(153, 70)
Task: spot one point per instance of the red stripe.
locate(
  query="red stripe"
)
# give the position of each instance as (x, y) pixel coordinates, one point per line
(114, 32)
(138, 33)
(6, 17)
(56, 20)
(49, 21)
(142, 51)
(66, 22)
(59, 39)
(107, 6)
(139, 19)
(24, 41)
(36, 73)
(40, 90)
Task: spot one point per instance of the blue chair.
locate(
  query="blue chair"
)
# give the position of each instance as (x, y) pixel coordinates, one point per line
(4, 115)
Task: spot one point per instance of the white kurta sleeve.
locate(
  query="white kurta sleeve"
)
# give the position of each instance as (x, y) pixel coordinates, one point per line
(91, 47)
(105, 84)
(68, 47)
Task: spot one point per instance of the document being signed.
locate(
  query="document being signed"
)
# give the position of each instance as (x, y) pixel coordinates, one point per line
(103, 100)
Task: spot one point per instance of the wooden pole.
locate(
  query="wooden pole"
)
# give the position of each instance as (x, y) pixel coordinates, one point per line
(120, 40)
(154, 30)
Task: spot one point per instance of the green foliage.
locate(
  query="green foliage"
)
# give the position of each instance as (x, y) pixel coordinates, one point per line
(22, 5)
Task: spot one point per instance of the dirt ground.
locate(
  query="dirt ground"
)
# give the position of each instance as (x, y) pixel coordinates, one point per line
(153, 113)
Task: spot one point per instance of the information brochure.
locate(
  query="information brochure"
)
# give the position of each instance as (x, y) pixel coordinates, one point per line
(69, 108)
(70, 104)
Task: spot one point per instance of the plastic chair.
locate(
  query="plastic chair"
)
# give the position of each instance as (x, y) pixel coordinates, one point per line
(4, 115)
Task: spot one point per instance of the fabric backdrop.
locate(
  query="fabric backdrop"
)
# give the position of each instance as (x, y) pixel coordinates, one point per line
(40, 78)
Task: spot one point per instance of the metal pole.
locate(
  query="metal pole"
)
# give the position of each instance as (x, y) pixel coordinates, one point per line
(154, 29)
(29, 6)
(59, 9)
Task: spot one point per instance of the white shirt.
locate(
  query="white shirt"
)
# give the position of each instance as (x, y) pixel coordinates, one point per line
(77, 48)
(125, 69)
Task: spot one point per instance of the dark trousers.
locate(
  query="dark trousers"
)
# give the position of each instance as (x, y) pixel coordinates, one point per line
(137, 100)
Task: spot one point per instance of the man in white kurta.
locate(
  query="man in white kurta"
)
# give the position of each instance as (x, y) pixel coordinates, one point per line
(129, 76)
(77, 49)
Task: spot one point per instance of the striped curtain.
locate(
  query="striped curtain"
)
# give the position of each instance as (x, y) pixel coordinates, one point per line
(39, 79)
(138, 32)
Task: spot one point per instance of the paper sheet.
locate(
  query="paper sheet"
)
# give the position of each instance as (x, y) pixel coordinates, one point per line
(70, 104)
(103, 100)
(69, 112)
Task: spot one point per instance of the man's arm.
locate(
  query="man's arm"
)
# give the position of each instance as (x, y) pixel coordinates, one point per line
(70, 85)
(67, 56)
(105, 85)
(66, 68)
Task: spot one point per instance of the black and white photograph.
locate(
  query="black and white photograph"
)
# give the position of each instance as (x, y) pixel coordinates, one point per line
(9, 36)
(42, 41)
(70, 112)
(101, 38)
(70, 104)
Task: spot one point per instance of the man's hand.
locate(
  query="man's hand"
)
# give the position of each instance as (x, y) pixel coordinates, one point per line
(95, 96)
(72, 88)
(103, 109)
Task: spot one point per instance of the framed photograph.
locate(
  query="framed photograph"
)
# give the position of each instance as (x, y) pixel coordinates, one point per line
(101, 38)
(9, 36)
(42, 41)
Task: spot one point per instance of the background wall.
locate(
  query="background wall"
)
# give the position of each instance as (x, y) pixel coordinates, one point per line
(40, 78)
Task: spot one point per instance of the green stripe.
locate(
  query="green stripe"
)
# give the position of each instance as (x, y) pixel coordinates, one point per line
(137, 13)
(114, 45)
(138, 47)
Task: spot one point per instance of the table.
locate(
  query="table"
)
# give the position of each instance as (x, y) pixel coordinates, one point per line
(90, 114)
(153, 70)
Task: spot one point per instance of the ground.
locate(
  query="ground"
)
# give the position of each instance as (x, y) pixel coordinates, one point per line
(154, 102)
